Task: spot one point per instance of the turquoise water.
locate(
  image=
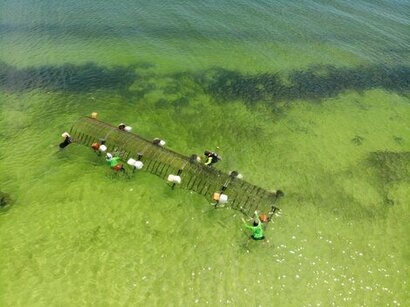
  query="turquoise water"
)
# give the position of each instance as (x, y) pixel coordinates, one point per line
(309, 97)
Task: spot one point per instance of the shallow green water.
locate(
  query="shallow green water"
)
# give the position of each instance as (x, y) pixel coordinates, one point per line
(77, 235)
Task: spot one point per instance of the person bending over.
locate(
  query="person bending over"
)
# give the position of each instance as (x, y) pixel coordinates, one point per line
(114, 163)
(67, 140)
(256, 228)
(211, 157)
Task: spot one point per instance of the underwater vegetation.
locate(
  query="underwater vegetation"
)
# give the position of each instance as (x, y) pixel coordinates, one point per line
(68, 77)
(314, 83)
(357, 140)
(383, 170)
(5, 201)
(391, 167)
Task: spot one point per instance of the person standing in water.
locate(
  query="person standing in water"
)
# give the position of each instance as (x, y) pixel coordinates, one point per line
(256, 228)
(67, 140)
(99, 147)
(114, 162)
(211, 157)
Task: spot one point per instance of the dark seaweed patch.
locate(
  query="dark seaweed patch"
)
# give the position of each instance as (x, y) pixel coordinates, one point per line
(5, 202)
(314, 83)
(5, 199)
(181, 102)
(398, 140)
(357, 140)
(390, 167)
(68, 77)
(162, 103)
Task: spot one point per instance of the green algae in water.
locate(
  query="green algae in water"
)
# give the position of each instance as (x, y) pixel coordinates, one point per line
(390, 167)
(78, 235)
(138, 236)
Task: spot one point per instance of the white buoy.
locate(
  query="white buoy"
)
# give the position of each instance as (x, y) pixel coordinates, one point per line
(138, 164)
(127, 128)
(174, 179)
(223, 198)
(102, 148)
(131, 161)
(162, 143)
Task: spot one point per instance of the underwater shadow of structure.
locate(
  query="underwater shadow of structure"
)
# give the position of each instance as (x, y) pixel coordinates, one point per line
(193, 175)
(67, 77)
(315, 83)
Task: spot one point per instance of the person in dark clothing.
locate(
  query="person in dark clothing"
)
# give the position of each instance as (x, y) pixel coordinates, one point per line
(67, 140)
(211, 157)
(158, 142)
(124, 127)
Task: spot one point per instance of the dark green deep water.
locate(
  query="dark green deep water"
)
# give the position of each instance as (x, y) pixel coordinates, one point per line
(304, 96)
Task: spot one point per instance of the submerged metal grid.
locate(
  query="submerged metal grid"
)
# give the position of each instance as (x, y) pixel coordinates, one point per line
(161, 161)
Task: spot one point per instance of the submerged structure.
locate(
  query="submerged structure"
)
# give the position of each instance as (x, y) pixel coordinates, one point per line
(185, 171)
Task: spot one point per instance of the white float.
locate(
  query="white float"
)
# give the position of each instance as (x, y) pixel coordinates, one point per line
(138, 164)
(131, 161)
(223, 198)
(174, 179)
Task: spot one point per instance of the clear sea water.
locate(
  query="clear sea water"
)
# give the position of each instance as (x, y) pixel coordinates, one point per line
(310, 97)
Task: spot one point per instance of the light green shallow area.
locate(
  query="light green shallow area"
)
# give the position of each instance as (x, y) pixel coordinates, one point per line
(77, 234)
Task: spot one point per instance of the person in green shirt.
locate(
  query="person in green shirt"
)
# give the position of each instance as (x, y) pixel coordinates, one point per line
(256, 228)
(114, 162)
